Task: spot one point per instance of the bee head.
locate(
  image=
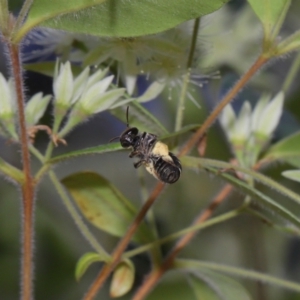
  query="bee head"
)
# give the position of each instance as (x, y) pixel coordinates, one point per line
(129, 137)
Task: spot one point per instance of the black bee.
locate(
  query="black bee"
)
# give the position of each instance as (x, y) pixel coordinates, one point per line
(153, 154)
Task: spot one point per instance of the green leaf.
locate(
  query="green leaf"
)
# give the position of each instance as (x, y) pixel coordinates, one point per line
(224, 288)
(141, 118)
(271, 13)
(85, 261)
(111, 147)
(285, 150)
(104, 205)
(42, 11)
(189, 264)
(122, 279)
(116, 18)
(292, 174)
(193, 162)
(292, 43)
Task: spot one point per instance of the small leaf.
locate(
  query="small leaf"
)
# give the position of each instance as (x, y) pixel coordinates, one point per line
(224, 288)
(286, 149)
(292, 174)
(104, 205)
(122, 279)
(85, 261)
(270, 12)
(118, 18)
(87, 151)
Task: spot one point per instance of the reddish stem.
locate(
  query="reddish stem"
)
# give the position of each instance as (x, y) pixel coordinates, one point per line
(108, 268)
(167, 264)
(227, 99)
(28, 186)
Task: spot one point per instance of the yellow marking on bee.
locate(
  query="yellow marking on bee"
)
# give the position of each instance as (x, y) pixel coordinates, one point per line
(150, 169)
(160, 149)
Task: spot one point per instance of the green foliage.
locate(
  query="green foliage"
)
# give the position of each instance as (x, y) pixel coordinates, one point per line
(85, 261)
(285, 150)
(271, 13)
(103, 49)
(103, 205)
(205, 281)
(120, 19)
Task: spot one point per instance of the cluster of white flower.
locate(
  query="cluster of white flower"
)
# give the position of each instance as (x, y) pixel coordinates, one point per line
(248, 132)
(163, 57)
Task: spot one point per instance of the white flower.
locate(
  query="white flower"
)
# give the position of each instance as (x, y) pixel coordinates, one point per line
(35, 108)
(63, 86)
(270, 116)
(242, 128)
(8, 106)
(250, 131)
(84, 96)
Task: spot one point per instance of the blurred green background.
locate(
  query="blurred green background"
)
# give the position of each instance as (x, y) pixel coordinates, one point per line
(245, 241)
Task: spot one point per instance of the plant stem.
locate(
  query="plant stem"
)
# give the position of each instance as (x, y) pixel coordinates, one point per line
(28, 186)
(196, 265)
(292, 73)
(167, 264)
(69, 205)
(108, 268)
(173, 236)
(180, 109)
(77, 218)
(117, 254)
(22, 15)
(261, 60)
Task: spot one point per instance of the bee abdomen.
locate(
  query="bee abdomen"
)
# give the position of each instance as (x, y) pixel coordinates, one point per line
(167, 171)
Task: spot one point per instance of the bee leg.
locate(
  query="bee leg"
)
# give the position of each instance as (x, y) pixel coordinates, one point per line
(139, 163)
(133, 153)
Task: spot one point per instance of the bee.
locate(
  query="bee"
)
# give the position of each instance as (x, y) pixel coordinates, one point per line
(152, 153)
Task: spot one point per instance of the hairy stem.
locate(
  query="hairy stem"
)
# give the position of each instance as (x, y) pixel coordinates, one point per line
(28, 186)
(227, 99)
(77, 218)
(155, 275)
(117, 254)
